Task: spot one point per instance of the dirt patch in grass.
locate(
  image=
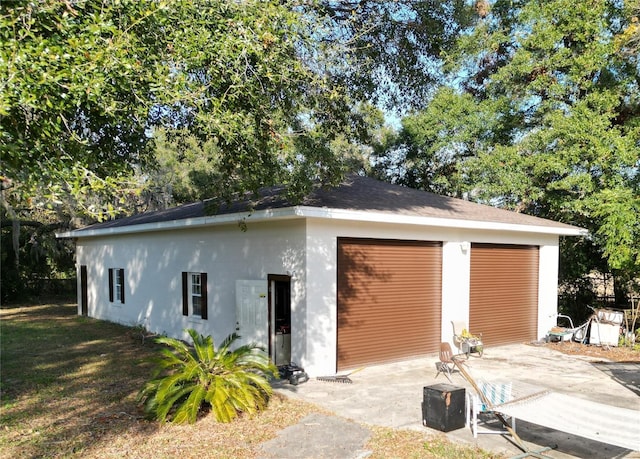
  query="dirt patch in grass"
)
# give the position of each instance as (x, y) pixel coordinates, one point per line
(412, 444)
(613, 353)
(68, 389)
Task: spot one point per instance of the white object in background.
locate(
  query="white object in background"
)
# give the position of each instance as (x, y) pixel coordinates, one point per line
(607, 334)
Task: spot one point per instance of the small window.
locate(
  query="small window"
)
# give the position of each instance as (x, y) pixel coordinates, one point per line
(194, 294)
(120, 285)
(116, 285)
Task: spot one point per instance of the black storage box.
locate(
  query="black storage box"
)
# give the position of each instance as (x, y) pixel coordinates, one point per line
(443, 407)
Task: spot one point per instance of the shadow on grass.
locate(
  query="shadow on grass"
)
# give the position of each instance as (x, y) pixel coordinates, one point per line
(68, 382)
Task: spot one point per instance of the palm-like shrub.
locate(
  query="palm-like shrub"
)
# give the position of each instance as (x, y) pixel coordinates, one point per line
(188, 378)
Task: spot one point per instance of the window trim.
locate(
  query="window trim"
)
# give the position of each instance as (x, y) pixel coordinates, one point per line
(187, 295)
(119, 285)
(116, 281)
(193, 277)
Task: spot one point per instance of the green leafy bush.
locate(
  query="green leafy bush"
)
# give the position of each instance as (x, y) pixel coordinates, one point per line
(188, 379)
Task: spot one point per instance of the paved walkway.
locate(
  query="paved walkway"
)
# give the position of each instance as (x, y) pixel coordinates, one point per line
(391, 395)
(319, 436)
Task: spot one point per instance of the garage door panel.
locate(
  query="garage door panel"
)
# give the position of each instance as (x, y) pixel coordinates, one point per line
(504, 292)
(389, 300)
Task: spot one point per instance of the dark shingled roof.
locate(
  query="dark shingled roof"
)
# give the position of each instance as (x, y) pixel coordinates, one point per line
(355, 193)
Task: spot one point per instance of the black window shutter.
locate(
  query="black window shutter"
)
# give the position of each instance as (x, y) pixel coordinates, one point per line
(84, 306)
(185, 294)
(111, 285)
(121, 274)
(203, 293)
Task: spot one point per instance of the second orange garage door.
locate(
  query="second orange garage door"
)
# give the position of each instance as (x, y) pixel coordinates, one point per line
(389, 300)
(503, 303)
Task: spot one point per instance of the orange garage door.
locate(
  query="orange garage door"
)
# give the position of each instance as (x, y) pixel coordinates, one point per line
(389, 300)
(504, 293)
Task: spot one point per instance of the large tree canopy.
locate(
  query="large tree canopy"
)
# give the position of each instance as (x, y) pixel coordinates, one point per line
(268, 85)
(85, 84)
(388, 52)
(77, 81)
(541, 115)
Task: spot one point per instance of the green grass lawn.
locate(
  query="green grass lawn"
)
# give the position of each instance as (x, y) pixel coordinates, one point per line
(65, 380)
(68, 387)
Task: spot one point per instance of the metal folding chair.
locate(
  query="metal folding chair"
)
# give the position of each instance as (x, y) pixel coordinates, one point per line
(446, 363)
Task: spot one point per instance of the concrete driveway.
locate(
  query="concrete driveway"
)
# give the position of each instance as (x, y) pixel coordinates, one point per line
(391, 395)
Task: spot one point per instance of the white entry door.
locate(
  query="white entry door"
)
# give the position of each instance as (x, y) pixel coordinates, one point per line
(252, 320)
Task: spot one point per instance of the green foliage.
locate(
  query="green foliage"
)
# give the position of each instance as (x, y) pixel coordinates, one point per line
(85, 85)
(386, 52)
(230, 381)
(627, 40)
(76, 85)
(41, 265)
(266, 91)
(542, 116)
(434, 144)
(187, 169)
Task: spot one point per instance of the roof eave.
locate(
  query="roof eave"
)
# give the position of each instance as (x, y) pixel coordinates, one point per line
(367, 216)
(213, 220)
(324, 213)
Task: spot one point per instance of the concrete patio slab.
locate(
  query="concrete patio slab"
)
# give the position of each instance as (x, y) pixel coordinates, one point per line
(391, 395)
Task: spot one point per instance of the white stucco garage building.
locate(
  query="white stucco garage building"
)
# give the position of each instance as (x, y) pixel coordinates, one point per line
(360, 274)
